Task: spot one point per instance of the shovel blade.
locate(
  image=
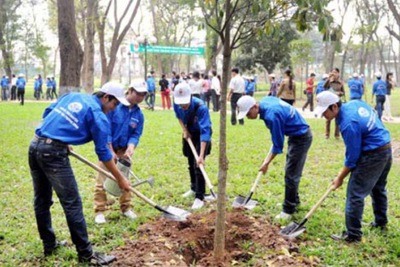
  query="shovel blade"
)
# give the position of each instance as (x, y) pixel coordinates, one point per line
(292, 231)
(175, 214)
(240, 201)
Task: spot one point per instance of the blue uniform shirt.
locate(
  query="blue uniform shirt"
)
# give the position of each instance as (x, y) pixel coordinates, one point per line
(250, 87)
(198, 114)
(20, 83)
(36, 85)
(4, 82)
(281, 119)
(77, 119)
(151, 85)
(356, 88)
(320, 87)
(361, 129)
(49, 83)
(126, 126)
(379, 88)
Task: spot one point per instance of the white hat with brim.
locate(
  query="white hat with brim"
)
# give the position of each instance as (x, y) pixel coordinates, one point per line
(244, 104)
(182, 94)
(116, 90)
(324, 100)
(139, 86)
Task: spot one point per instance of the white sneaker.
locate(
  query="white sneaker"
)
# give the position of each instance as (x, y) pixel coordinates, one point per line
(100, 219)
(188, 193)
(197, 204)
(283, 216)
(209, 198)
(130, 214)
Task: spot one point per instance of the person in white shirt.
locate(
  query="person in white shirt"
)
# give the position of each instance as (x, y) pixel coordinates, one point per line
(236, 90)
(196, 85)
(215, 90)
(13, 88)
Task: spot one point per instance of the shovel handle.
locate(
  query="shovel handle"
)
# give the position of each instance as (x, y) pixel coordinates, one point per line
(201, 166)
(308, 215)
(253, 188)
(109, 175)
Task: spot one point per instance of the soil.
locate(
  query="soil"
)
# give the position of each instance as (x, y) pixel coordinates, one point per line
(249, 241)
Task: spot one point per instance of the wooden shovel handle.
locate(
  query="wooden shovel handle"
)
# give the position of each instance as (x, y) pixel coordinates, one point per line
(308, 215)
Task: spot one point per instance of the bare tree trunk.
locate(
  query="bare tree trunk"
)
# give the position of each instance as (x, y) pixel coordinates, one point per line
(219, 237)
(88, 59)
(71, 53)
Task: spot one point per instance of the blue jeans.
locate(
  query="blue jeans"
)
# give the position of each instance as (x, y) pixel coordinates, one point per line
(51, 169)
(152, 97)
(369, 177)
(298, 147)
(380, 100)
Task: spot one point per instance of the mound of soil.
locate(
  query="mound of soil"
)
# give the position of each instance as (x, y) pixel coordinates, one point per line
(190, 243)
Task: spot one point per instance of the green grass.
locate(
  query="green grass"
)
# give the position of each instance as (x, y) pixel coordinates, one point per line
(159, 155)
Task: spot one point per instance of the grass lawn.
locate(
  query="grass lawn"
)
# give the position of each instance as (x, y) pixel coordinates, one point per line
(160, 155)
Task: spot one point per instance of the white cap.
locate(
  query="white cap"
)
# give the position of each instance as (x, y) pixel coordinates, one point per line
(272, 75)
(182, 93)
(116, 90)
(244, 104)
(140, 86)
(355, 74)
(378, 74)
(21, 75)
(324, 100)
(325, 76)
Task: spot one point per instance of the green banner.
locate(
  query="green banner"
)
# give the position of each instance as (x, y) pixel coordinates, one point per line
(136, 48)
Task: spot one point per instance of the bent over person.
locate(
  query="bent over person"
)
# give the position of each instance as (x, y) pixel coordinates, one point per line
(75, 119)
(194, 118)
(368, 159)
(282, 119)
(126, 130)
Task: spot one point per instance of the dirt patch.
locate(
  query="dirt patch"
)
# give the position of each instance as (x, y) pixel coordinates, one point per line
(190, 243)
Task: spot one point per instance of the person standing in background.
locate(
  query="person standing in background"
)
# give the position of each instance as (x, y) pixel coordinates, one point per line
(379, 89)
(13, 88)
(387, 113)
(251, 86)
(215, 90)
(310, 92)
(206, 90)
(320, 85)
(54, 88)
(49, 87)
(151, 88)
(273, 90)
(287, 88)
(236, 90)
(21, 83)
(36, 88)
(196, 85)
(356, 87)
(40, 85)
(4, 88)
(164, 89)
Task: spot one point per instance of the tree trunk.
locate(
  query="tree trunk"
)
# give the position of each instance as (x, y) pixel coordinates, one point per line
(71, 54)
(212, 50)
(88, 59)
(219, 237)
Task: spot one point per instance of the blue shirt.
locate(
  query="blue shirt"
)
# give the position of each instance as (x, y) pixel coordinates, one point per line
(151, 85)
(126, 126)
(4, 82)
(36, 85)
(379, 88)
(77, 119)
(250, 87)
(49, 83)
(54, 83)
(356, 88)
(361, 129)
(20, 83)
(281, 119)
(196, 118)
(320, 87)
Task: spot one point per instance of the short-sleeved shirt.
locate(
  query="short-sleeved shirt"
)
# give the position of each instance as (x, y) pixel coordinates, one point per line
(77, 119)
(196, 86)
(356, 88)
(379, 87)
(281, 119)
(237, 84)
(361, 129)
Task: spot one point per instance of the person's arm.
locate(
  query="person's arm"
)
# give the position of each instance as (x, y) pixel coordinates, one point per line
(267, 161)
(200, 160)
(134, 137)
(123, 183)
(185, 133)
(340, 178)
(280, 89)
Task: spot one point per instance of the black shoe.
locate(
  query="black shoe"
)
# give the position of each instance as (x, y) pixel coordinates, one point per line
(346, 237)
(382, 227)
(98, 259)
(51, 251)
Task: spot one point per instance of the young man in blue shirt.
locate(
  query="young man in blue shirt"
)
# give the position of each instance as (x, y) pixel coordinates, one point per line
(194, 118)
(126, 129)
(368, 158)
(379, 89)
(282, 119)
(151, 88)
(356, 87)
(75, 119)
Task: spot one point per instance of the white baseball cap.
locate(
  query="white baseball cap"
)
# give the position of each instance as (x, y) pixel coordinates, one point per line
(325, 76)
(324, 100)
(378, 74)
(116, 90)
(244, 104)
(140, 86)
(182, 94)
(355, 74)
(272, 75)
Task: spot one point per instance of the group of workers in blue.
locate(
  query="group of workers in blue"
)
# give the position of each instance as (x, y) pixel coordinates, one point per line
(113, 120)
(51, 88)
(13, 89)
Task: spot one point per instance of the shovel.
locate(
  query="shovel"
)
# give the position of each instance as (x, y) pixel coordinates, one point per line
(295, 229)
(201, 166)
(170, 212)
(242, 201)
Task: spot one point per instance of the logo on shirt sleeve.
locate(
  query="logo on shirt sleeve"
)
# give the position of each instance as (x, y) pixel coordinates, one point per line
(363, 112)
(75, 107)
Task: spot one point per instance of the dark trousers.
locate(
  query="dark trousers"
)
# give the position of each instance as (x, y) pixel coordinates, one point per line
(380, 100)
(197, 182)
(21, 95)
(289, 101)
(328, 129)
(48, 93)
(50, 169)
(310, 100)
(4, 93)
(234, 99)
(298, 147)
(13, 92)
(215, 100)
(54, 93)
(369, 177)
(150, 99)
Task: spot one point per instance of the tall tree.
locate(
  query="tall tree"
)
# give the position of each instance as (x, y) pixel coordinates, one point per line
(236, 21)
(393, 6)
(118, 34)
(71, 54)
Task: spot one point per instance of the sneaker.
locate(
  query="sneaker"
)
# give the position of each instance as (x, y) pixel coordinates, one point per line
(283, 216)
(59, 244)
(382, 227)
(209, 198)
(130, 214)
(100, 219)
(98, 259)
(197, 204)
(346, 237)
(188, 193)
